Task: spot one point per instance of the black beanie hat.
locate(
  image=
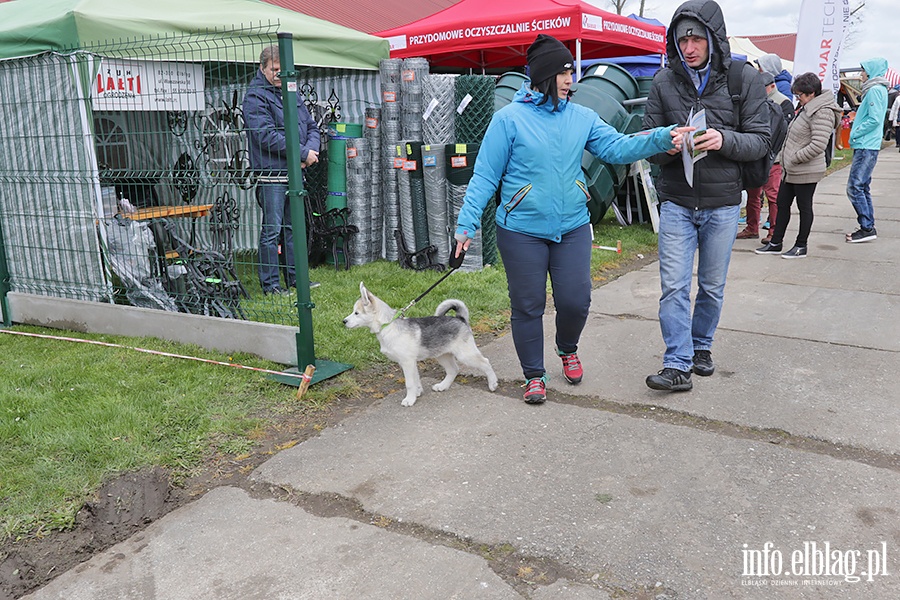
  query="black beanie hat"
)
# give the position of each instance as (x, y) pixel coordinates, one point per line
(547, 56)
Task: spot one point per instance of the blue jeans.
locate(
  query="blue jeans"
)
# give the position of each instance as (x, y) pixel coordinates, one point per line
(858, 186)
(682, 232)
(276, 214)
(528, 260)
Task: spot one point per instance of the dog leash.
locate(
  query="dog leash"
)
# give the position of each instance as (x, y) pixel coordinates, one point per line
(455, 262)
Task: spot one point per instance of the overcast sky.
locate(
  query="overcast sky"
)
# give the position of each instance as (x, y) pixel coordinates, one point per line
(877, 33)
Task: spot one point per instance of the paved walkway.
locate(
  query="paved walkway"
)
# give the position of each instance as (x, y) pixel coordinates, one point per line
(789, 454)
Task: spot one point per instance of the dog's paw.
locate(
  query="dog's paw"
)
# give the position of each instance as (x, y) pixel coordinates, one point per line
(408, 401)
(492, 385)
(441, 386)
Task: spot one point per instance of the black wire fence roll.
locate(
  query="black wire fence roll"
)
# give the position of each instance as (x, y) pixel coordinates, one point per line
(405, 220)
(460, 162)
(418, 207)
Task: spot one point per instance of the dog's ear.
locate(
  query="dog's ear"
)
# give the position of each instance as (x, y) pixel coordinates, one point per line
(365, 295)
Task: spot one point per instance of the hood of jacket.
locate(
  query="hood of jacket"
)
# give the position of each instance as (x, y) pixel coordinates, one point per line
(710, 14)
(824, 101)
(875, 67)
(770, 63)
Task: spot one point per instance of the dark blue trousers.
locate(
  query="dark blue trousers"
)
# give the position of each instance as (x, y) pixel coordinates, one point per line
(528, 260)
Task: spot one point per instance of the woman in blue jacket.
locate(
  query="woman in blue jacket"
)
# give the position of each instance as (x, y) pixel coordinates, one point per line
(534, 147)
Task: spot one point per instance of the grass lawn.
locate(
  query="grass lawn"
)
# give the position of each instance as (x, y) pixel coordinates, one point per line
(73, 415)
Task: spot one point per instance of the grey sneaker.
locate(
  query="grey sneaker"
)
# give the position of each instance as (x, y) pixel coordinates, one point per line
(795, 252)
(670, 380)
(861, 235)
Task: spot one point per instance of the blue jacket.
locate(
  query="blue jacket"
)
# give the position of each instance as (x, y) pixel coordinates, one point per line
(783, 84)
(536, 153)
(868, 124)
(264, 121)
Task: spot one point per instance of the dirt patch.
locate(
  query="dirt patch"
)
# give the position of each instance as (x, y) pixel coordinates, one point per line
(121, 507)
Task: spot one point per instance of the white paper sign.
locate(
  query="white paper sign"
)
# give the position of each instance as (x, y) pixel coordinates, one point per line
(148, 85)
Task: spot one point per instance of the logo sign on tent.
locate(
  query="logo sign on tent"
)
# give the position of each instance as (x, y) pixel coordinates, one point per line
(497, 30)
(148, 85)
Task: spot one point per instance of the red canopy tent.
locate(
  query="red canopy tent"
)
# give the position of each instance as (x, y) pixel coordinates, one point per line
(487, 34)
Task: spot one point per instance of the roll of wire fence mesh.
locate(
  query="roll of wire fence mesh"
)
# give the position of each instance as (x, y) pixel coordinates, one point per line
(474, 107)
(435, 180)
(412, 96)
(439, 118)
(460, 161)
(474, 94)
(417, 201)
(338, 134)
(372, 133)
(389, 71)
(359, 191)
(405, 222)
(392, 163)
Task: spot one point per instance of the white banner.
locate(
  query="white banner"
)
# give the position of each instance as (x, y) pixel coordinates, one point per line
(148, 85)
(820, 33)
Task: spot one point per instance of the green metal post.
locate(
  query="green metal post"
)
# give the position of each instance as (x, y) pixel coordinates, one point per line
(4, 282)
(306, 354)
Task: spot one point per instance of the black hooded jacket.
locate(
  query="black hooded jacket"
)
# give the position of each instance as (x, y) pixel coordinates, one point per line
(717, 177)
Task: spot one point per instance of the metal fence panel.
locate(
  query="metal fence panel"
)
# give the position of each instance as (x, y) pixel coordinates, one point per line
(125, 174)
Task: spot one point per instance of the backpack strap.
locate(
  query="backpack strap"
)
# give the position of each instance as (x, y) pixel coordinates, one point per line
(735, 82)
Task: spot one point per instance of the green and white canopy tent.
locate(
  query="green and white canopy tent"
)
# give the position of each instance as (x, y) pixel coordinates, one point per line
(64, 62)
(30, 27)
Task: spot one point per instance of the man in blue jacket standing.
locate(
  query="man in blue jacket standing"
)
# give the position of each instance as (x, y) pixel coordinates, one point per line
(264, 120)
(865, 139)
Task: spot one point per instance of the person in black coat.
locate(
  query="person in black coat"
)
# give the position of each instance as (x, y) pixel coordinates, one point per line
(702, 217)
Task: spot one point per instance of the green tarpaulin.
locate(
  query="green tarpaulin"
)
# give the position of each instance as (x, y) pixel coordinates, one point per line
(30, 27)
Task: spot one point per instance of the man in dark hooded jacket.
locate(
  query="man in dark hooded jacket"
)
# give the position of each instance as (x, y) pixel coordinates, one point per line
(264, 118)
(704, 217)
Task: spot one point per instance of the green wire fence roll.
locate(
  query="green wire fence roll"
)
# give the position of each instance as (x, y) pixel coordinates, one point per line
(338, 133)
(474, 94)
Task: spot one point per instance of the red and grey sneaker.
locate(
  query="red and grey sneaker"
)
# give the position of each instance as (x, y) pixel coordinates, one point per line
(571, 367)
(535, 390)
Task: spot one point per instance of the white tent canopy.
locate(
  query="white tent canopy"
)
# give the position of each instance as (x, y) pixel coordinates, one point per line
(740, 45)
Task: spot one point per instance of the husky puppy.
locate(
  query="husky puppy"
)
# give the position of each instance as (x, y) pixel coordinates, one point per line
(407, 341)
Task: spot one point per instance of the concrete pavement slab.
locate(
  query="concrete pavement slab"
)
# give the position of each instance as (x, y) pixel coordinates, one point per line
(629, 499)
(762, 381)
(227, 546)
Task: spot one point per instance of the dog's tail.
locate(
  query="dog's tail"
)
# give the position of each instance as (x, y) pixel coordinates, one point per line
(455, 305)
